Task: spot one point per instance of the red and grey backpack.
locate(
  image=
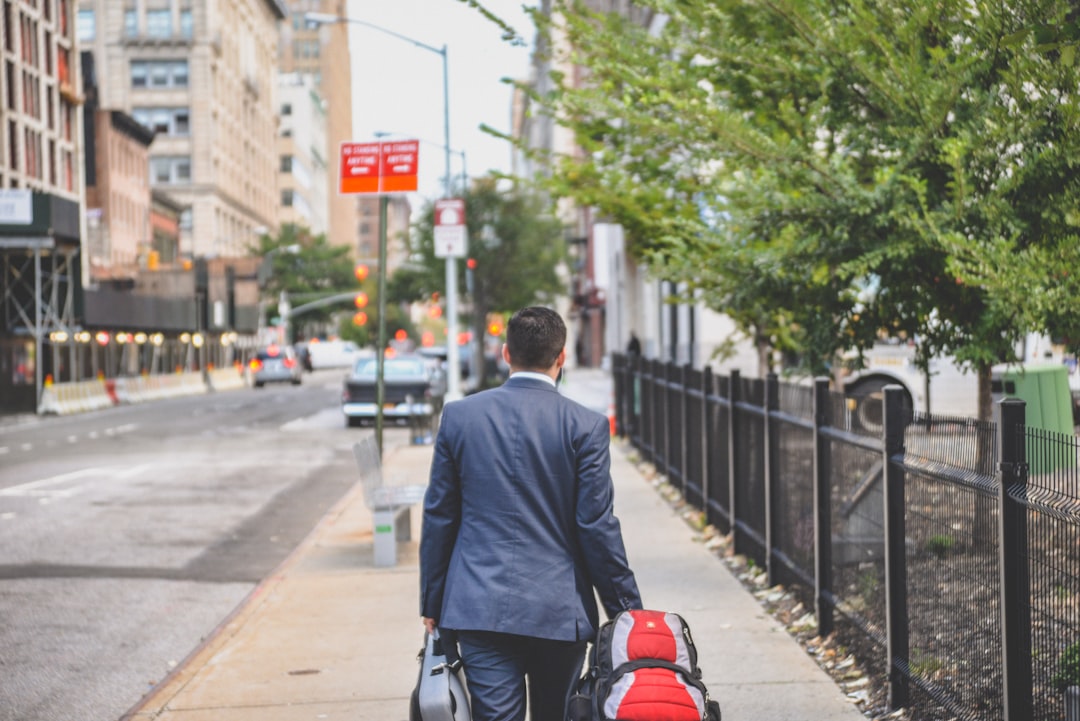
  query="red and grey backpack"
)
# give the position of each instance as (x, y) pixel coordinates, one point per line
(642, 667)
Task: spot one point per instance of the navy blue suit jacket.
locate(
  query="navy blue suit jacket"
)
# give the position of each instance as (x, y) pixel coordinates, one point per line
(518, 525)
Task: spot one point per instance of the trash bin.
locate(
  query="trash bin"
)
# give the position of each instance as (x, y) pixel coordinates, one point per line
(1045, 390)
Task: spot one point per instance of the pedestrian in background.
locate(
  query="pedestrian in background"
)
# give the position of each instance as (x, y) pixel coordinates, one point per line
(519, 528)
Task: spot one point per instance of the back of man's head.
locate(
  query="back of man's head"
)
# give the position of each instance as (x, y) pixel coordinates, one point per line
(535, 336)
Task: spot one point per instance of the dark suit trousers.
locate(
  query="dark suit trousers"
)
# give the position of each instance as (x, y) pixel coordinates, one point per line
(497, 664)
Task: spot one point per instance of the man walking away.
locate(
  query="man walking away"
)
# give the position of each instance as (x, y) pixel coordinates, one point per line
(519, 528)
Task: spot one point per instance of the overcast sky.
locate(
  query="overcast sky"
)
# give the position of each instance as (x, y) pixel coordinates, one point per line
(398, 87)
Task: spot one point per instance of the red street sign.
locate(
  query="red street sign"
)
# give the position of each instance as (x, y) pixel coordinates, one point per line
(400, 160)
(388, 167)
(360, 167)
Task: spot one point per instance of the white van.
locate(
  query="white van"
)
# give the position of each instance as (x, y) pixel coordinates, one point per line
(332, 353)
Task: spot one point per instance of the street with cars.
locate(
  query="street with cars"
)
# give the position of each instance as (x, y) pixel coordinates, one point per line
(128, 534)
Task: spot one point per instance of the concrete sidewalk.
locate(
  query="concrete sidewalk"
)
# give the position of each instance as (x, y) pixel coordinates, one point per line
(331, 636)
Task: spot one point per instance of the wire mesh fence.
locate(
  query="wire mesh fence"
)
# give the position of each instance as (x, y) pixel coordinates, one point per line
(951, 548)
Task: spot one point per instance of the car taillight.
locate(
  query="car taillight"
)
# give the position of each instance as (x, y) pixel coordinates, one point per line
(255, 364)
(289, 362)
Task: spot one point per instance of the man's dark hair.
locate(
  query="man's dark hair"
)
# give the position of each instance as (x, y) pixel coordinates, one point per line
(534, 338)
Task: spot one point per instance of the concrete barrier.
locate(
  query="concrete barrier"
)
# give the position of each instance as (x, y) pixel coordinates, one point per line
(227, 379)
(76, 397)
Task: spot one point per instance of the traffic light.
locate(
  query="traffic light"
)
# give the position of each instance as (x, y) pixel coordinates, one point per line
(471, 263)
(401, 336)
(495, 324)
(361, 300)
(361, 272)
(360, 318)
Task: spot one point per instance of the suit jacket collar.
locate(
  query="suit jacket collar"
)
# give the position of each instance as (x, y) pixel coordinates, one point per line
(519, 381)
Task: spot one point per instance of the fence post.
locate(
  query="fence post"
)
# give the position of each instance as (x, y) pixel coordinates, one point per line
(634, 412)
(896, 612)
(823, 607)
(706, 438)
(618, 389)
(684, 432)
(665, 419)
(733, 395)
(771, 485)
(1012, 549)
(648, 409)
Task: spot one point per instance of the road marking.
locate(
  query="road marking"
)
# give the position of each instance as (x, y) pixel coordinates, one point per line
(39, 488)
(74, 438)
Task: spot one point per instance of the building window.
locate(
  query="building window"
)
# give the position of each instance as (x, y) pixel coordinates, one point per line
(167, 121)
(185, 219)
(86, 26)
(159, 73)
(286, 109)
(286, 163)
(159, 23)
(287, 198)
(187, 24)
(166, 169)
(131, 24)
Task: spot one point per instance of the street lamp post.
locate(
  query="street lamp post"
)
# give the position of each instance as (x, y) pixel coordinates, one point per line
(453, 356)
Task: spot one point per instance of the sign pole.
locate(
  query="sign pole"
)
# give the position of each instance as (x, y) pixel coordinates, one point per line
(380, 386)
(453, 352)
(383, 168)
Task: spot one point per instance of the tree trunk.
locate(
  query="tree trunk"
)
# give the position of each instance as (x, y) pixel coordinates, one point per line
(984, 526)
(764, 351)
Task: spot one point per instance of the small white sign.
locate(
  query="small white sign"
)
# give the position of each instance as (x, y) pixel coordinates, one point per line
(451, 241)
(16, 207)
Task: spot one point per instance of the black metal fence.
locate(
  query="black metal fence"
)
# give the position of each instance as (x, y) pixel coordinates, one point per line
(950, 546)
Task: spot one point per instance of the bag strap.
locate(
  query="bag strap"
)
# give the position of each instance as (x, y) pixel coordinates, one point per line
(694, 679)
(446, 644)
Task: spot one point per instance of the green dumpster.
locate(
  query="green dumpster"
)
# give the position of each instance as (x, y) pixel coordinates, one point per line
(1045, 390)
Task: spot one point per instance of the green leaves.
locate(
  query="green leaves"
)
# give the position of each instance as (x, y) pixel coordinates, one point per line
(826, 172)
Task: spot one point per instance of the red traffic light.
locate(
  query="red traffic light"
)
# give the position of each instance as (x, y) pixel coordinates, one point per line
(361, 272)
(361, 300)
(471, 263)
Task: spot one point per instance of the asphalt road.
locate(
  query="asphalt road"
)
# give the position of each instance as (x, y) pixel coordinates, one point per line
(127, 535)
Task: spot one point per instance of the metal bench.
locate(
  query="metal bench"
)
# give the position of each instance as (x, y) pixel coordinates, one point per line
(390, 504)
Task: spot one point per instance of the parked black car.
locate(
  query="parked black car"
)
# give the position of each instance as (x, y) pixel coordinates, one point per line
(413, 391)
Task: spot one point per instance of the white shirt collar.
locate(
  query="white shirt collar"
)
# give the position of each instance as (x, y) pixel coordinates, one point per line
(535, 376)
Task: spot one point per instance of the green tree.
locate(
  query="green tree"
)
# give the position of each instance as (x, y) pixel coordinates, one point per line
(308, 268)
(517, 247)
(825, 172)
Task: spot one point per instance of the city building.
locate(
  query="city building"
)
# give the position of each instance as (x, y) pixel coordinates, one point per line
(321, 52)
(303, 178)
(41, 214)
(203, 75)
(118, 236)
